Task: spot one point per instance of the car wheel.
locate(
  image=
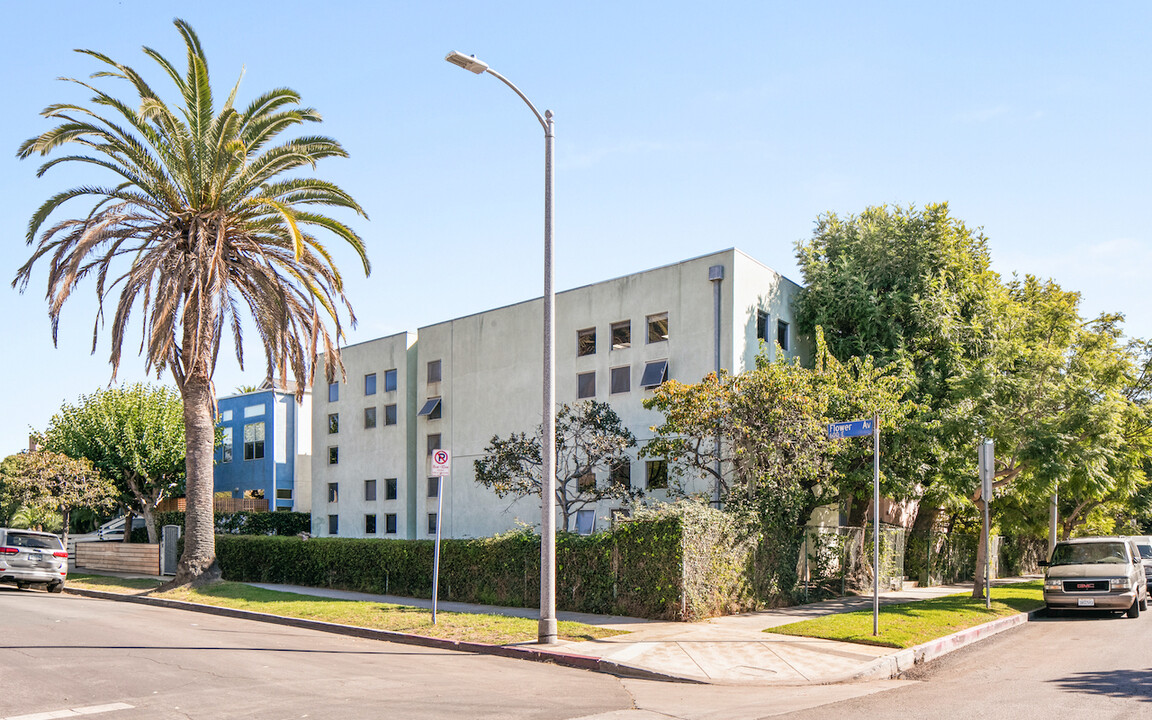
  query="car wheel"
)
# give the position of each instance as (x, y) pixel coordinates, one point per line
(1134, 611)
(1144, 603)
(56, 587)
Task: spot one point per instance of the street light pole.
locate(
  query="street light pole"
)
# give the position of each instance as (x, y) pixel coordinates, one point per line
(547, 627)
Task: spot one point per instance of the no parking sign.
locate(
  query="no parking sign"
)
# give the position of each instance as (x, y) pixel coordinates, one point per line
(441, 463)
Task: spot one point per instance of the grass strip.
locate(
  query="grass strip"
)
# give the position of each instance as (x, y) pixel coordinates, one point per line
(905, 625)
(466, 627)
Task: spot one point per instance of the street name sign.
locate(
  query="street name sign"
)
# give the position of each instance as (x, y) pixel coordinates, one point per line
(855, 428)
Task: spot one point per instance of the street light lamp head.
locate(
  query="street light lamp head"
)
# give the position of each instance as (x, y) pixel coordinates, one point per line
(468, 62)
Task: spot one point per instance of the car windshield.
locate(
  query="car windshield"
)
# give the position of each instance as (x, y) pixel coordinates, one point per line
(1089, 553)
(33, 541)
(1145, 551)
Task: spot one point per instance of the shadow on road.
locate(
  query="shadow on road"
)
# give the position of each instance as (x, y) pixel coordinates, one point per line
(1111, 683)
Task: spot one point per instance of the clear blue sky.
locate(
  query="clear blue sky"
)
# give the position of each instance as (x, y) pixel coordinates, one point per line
(682, 128)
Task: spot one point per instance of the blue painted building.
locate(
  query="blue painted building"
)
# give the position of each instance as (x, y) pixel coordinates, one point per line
(266, 448)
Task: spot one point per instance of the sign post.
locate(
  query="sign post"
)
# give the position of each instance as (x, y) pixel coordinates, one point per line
(987, 474)
(441, 468)
(864, 428)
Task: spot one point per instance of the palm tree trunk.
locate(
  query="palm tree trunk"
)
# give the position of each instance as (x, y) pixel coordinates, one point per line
(198, 563)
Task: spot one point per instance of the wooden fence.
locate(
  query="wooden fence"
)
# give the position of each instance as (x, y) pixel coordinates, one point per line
(220, 505)
(140, 558)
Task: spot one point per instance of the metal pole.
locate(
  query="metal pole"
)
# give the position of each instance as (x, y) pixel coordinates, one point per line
(436, 557)
(547, 627)
(876, 524)
(987, 558)
(1053, 519)
(716, 275)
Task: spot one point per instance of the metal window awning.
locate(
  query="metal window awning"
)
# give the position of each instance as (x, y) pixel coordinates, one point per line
(430, 406)
(655, 373)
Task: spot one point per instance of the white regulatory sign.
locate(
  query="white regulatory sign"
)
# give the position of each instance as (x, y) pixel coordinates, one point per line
(441, 463)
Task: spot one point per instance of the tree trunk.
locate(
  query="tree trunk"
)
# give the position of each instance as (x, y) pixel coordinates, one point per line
(922, 539)
(198, 562)
(150, 522)
(129, 516)
(67, 513)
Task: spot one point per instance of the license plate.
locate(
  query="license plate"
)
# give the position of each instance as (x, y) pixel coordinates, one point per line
(35, 557)
(1086, 602)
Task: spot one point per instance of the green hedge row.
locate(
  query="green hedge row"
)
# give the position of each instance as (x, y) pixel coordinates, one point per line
(239, 523)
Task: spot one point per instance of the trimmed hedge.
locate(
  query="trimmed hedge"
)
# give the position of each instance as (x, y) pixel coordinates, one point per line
(239, 523)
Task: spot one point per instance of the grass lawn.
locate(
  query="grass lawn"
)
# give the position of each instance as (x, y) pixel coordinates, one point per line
(906, 625)
(492, 629)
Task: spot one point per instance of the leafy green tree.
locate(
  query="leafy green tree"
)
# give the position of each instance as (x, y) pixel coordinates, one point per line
(9, 498)
(205, 222)
(590, 439)
(54, 482)
(134, 435)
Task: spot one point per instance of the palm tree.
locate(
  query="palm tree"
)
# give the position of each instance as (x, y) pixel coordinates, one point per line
(207, 223)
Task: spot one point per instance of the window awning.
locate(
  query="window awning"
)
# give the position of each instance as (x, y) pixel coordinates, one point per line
(430, 406)
(655, 373)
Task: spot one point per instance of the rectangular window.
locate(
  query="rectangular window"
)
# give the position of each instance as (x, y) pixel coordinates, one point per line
(254, 441)
(390, 488)
(657, 474)
(431, 409)
(333, 524)
(226, 416)
(655, 373)
(586, 482)
(226, 445)
(586, 342)
(333, 423)
(433, 371)
(433, 487)
(762, 325)
(333, 492)
(370, 490)
(334, 455)
(369, 524)
(389, 381)
(370, 384)
(254, 410)
(283, 493)
(433, 442)
(782, 334)
(389, 414)
(621, 379)
(622, 474)
(390, 524)
(431, 523)
(622, 335)
(369, 417)
(333, 392)
(658, 328)
(585, 522)
(586, 385)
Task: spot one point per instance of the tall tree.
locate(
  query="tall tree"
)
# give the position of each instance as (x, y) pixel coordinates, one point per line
(10, 498)
(206, 222)
(55, 482)
(134, 435)
(590, 439)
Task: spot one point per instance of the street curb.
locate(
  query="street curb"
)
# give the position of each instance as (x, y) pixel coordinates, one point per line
(892, 666)
(516, 652)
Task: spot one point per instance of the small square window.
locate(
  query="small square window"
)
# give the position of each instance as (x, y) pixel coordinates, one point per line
(782, 334)
(283, 493)
(369, 490)
(655, 373)
(586, 342)
(762, 325)
(389, 381)
(333, 524)
(333, 492)
(226, 416)
(658, 328)
(370, 384)
(390, 524)
(621, 379)
(657, 474)
(622, 474)
(369, 524)
(334, 455)
(390, 488)
(333, 423)
(431, 523)
(433, 487)
(431, 409)
(433, 442)
(389, 414)
(333, 392)
(586, 482)
(586, 385)
(433, 371)
(369, 417)
(622, 335)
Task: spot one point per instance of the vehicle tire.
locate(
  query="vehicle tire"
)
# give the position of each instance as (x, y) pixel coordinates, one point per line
(56, 587)
(1134, 611)
(1144, 603)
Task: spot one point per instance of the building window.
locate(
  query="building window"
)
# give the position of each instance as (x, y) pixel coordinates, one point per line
(333, 524)
(433, 371)
(226, 445)
(658, 328)
(762, 325)
(283, 493)
(586, 342)
(431, 409)
(370, 490)
(622, 474)
(226, 416)
(333, 492)
(621, 379)
(585, 522)
(254, 410)
(586, 385)
(586, 482)
(782, 334)
(369, 417)
(655, 373)
(334, 455)
(254, 441)
(370, 384)
(622, 335)
(333, 392)
(389, 414)
(333, 423)
(390, 488)
(390, 524)
(369, 524)
(433, 487)
(433, 442)
(657, 474)
(431, 523)
(389, 381)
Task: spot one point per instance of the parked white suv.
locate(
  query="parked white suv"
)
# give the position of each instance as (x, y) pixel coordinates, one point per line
(28, 557)
(1097, 573)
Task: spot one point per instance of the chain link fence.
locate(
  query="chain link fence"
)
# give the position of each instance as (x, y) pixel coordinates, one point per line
(837, 561)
